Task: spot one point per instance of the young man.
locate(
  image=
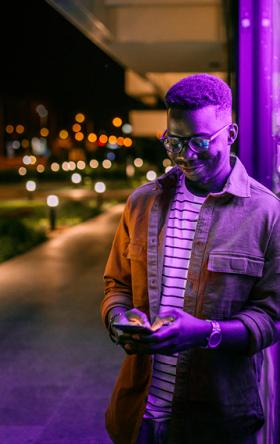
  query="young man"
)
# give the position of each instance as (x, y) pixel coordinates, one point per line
(198, 248)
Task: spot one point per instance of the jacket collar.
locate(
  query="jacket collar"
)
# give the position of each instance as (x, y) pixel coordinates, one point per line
(238, 183)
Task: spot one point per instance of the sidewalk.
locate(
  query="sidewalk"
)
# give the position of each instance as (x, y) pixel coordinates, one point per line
(57, 363)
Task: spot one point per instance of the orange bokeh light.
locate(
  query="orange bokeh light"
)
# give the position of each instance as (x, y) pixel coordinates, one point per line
(117, 121)
(20, 129)
(103, 139)
(76, 127)
(92, 137)
(127, 142)
(79, 136)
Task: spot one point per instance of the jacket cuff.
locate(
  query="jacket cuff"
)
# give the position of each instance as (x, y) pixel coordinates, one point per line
(261, 327)
(112, 301)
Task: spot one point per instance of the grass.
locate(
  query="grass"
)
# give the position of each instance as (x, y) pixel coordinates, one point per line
(25, 224)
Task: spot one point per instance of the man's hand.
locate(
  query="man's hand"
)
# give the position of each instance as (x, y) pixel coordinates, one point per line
(133, 315)
(186, 331)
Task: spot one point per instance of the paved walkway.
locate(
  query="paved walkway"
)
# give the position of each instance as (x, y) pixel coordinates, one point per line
(57, 364)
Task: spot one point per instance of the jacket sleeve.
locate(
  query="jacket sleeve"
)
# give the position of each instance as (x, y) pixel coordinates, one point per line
(262, 311)
(117, 274)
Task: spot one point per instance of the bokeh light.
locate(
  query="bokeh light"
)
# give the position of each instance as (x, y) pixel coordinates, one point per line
(117, 122)
(40, 168)
(55, 167)
(138, 162)
(16, 144)
(25, 143)
(120, 141)
(71, 165)
(20, 129)
(33, 160)
(151, 175)
(80, 117)
(100, 187)
(9, 129)
(106, 164)
(92, 137)
(63, 134)
(42, 111)
(103, 138)
(44, 132)
(52, 201)
(76, 127)
(112, 140)
(166, 162)
(31, 185)
(93, 163)
(127, 142)
(22, 171)
(130, 170)
(26, 160)
(127, 128)
(79, 136)
(65, 166)
(81, 165)
(76, 178)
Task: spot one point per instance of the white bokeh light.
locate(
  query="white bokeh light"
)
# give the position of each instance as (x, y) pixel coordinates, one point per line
(127, 128)
(30, 185)
(76, 178)
(26, 160)
(151, 175)
(100, 187)
(52, 200)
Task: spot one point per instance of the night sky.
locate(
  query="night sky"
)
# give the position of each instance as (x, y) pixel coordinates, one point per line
(46, 59)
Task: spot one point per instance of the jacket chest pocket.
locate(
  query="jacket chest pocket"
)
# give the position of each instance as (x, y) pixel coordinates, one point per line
(137, 254)
(229, 281)
(225, 263)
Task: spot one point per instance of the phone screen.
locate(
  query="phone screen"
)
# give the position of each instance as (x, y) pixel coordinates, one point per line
(132, 328)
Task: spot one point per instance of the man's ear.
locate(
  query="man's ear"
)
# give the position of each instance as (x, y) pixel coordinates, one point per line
(233, 133)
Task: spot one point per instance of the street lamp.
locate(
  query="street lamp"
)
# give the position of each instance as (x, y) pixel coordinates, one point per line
(52, 202)
(99, 188)
(30, 187)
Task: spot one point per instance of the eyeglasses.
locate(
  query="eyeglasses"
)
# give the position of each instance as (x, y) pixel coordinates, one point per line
(198, 144)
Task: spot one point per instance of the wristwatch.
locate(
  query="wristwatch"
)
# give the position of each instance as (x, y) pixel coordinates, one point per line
(215, 337)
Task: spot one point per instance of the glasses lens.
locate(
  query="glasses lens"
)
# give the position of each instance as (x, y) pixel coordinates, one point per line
(199, 144)
(173, 144)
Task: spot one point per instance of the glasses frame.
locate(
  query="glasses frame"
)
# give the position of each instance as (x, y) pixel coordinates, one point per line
(186, 141)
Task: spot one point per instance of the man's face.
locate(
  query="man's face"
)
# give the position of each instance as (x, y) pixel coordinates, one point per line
(212, 165)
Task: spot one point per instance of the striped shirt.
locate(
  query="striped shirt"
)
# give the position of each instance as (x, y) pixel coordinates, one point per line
(177, 251)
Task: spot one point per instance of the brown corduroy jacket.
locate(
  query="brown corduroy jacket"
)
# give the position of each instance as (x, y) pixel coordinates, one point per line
(234, 273)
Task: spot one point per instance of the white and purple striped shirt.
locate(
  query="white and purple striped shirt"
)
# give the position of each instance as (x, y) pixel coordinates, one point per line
(179, 238)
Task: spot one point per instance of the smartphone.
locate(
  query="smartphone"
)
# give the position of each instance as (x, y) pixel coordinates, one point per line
(132, 328)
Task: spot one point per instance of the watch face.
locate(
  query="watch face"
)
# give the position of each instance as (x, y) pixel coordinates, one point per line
(214, 339)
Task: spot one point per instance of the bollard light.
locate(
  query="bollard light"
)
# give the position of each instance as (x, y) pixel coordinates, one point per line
(30, 187)
(100, 189)
(76, 178)
(151, 175)
(52, 202)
